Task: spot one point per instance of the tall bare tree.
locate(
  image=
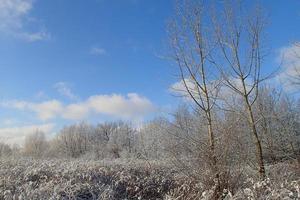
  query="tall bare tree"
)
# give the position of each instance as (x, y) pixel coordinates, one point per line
(191, 44)
(239, 37)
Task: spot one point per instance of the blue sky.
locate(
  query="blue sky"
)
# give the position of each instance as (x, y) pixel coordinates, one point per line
(62, 61)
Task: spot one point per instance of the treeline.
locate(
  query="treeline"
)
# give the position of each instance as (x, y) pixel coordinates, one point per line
(181, 136)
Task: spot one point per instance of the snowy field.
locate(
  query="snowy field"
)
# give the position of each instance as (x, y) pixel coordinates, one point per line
(81, 179)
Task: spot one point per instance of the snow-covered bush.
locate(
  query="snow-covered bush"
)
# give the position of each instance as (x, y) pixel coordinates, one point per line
(87, 179)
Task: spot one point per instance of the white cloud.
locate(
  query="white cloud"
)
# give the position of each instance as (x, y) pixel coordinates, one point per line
(12, 13)
(215, 88)
(98, 51)
(45, 110)
(132, 107)
(15, 16)
(290, 58)
(16, 135)
(179, 88)
(76, 111)
(64, 89)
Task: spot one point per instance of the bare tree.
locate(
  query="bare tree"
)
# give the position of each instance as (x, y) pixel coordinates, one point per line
(121, 139)
(286, 119)
(152, 139)
(106, 130)
(35, 144)
(191, 44)
(240, 45)
(74, 140)
(265, 109)
(5, 150)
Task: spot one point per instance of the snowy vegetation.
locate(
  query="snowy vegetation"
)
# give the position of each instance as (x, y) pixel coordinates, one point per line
(83, 179)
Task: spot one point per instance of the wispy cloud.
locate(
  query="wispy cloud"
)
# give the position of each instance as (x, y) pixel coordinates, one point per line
(98, 51)
(34, 36)
(15, 17)
(65, 90)
(16, 135)
(40, 95)
(129, 107)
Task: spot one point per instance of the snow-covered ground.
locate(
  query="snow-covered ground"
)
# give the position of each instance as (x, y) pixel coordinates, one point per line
(82, 179)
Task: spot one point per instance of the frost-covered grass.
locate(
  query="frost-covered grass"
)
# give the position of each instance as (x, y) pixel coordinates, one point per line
(80, 179)
(83, 179)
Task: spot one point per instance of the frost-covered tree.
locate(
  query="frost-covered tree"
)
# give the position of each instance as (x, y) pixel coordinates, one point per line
(36, 144)
(122, 139)
(239, 36)
(191, 48)
(74, 140)
(153, 139)
(5, 150)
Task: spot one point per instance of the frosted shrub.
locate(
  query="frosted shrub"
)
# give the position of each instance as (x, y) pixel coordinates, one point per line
(29, 179)
(75, 179)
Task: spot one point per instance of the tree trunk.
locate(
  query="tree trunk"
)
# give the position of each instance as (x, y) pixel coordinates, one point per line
(213, 156)
(259, 155)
